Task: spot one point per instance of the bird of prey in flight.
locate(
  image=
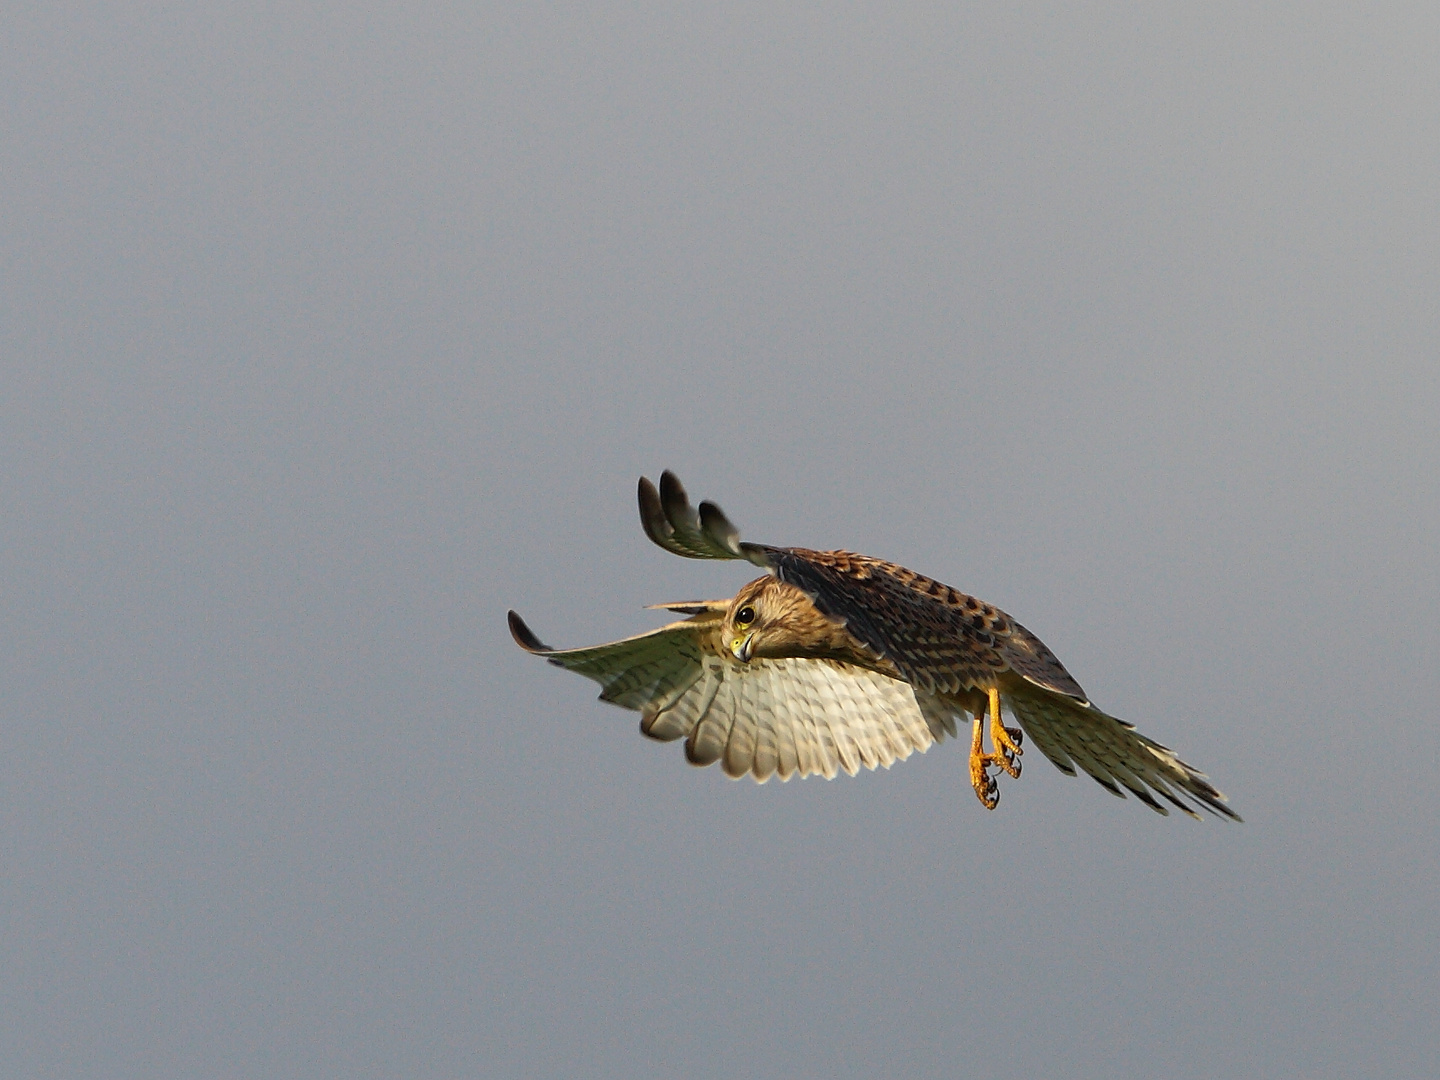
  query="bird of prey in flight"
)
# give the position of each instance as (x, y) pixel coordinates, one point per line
(834, 660)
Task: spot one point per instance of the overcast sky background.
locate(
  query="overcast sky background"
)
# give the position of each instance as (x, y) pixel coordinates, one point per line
(331, 331)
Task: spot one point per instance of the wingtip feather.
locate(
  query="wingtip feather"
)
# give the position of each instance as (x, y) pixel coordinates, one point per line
(652, 514)
(524, 636)
(718, 529)
(671, 522)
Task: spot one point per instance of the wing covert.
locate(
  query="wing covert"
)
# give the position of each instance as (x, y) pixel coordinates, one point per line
(939, 638)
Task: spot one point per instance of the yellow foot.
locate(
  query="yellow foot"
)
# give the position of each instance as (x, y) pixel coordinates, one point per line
(986, 789)
(1005, 740)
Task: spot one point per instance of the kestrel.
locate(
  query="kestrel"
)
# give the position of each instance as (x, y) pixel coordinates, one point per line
(834, 660)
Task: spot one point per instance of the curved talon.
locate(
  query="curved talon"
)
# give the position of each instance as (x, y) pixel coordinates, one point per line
(1011, 764)
(990, 797)
(1005, 740)
(986, 788)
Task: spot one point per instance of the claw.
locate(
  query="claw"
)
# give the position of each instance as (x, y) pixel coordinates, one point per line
(990, 795)
(986, 789)
(1012, 763)
(1005, 740)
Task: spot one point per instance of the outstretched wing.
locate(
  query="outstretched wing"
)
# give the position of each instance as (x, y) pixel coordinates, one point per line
(940, 638)
(1072, 733)
(641, 671)
(670, 521)
(766, 718)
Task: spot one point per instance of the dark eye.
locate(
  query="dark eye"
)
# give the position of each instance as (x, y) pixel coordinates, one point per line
(745, 616)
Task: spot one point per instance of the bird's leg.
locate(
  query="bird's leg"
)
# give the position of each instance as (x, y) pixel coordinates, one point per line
(1005, 740)
(986, 790)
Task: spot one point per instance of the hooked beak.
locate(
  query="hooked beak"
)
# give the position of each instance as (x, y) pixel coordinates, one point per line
(743, 647)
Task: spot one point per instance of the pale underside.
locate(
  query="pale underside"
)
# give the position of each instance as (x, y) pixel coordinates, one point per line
(784, 718)
(800, 717)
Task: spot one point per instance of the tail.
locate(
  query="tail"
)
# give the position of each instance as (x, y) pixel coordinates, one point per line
(1074, 733)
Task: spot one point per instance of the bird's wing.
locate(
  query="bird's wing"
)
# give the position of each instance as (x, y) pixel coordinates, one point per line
(767, 718)
(939, 638)
(636, 672)
(1074, 733)
(1032, 660)
(670, 521)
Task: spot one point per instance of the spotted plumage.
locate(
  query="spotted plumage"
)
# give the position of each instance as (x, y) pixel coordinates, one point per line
(834, 660)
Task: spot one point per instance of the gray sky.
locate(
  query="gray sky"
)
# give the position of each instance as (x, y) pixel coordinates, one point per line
(332, 331)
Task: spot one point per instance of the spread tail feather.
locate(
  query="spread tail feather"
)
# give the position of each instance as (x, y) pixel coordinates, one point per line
(1074, 734)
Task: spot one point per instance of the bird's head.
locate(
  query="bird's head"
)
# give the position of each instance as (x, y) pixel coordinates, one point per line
(768, 618)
